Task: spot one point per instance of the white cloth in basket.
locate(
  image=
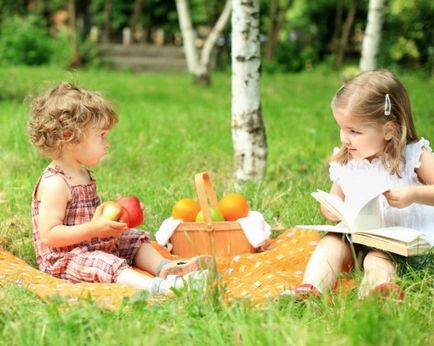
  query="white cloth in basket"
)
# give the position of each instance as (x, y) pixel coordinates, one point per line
(166, 230)
(256, 230)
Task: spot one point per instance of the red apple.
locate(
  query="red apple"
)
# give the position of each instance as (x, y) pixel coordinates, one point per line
(124, 217)
(115, 212)
(134, 210)
(111, 210)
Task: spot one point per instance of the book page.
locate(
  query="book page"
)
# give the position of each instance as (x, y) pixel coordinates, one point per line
(403, 234)
(369, 217)
(339, 228)
(415, 248)
(369, 214)
(401, 240)
(335, 205)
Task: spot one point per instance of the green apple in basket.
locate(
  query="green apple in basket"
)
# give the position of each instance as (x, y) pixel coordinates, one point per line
(215, 215)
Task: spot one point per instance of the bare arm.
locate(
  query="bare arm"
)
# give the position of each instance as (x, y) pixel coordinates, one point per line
(404, 196)
(335, 190)
(54, 195)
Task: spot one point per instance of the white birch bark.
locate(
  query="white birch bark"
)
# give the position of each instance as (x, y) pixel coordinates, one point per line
(187, 35)
(248, 131)
(200, 67)
(371, 40)
(205, 56)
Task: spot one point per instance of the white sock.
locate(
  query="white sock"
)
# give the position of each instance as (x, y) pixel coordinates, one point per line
(162, 286)
(161, 265)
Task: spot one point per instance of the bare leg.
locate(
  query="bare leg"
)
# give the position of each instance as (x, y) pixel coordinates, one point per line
(134, 278)
(327, 260)
(148, 259)
(378, 268)
(155, 285)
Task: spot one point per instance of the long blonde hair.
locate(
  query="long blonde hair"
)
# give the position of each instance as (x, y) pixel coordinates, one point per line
(364, 96)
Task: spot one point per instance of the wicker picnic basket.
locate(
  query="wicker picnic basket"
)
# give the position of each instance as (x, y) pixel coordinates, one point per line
(218, 238)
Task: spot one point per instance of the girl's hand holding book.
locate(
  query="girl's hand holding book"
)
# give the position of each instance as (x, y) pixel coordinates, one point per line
(329, 215)
(400, 197)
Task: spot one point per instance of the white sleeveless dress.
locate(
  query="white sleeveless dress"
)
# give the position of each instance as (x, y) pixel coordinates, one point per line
(361, 180)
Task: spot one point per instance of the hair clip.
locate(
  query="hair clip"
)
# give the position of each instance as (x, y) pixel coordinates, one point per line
(387, 105)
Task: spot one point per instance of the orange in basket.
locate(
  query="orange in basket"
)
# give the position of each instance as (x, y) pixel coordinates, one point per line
(218, 238)
(234, 206)
(186, 209)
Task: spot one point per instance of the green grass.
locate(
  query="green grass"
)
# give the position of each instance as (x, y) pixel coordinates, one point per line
(169, 130)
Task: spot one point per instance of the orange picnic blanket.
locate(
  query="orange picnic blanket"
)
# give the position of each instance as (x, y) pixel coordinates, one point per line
(256, 276)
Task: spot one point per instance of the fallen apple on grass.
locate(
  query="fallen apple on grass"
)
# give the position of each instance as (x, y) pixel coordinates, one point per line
(215, 215)
(126, 209)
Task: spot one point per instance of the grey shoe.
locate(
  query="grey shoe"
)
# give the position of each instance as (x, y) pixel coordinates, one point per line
(184, 266)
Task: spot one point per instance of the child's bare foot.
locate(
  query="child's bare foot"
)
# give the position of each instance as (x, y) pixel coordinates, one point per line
(185, 266)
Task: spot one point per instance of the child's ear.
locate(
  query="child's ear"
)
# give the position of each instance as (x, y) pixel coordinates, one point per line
(67, 134)
(389, 130)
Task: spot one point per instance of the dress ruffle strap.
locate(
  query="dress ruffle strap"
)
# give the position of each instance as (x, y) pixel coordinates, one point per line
(413, 154)
(52, 171)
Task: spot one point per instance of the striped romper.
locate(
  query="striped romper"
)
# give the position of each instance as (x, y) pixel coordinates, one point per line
(97, 260)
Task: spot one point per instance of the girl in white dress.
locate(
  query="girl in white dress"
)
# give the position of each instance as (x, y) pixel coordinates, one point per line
(380, 149)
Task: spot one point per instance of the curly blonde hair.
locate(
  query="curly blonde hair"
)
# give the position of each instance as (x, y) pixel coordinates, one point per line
(67, 109)
(364, 97)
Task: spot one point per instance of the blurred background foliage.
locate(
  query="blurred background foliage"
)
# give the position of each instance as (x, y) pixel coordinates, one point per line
(307, 34)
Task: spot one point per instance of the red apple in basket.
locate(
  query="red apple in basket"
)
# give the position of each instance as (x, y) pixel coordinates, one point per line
(115, 212)
(134, 209)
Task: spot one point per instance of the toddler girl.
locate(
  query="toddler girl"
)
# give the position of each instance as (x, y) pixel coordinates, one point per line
(72, 239)
(380, 149)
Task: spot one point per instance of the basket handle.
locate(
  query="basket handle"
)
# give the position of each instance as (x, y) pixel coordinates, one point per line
(205, 191)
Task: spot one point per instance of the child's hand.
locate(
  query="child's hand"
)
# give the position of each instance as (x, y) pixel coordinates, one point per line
(328, 215)
(400, 197)
(107, 228)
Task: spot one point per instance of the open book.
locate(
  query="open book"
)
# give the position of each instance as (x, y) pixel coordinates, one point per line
(365, 225)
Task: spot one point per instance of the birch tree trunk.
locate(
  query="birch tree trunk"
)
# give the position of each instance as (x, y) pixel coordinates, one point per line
(371, 40)
(248, 131)
(187, 35)
(199, 68)
(202, 72)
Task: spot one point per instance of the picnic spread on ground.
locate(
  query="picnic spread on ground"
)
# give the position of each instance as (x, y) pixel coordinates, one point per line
(256, 277)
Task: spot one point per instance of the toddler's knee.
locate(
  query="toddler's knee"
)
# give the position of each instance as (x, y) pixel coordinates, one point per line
(377, 260)
(334, 247)
(333, 241)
